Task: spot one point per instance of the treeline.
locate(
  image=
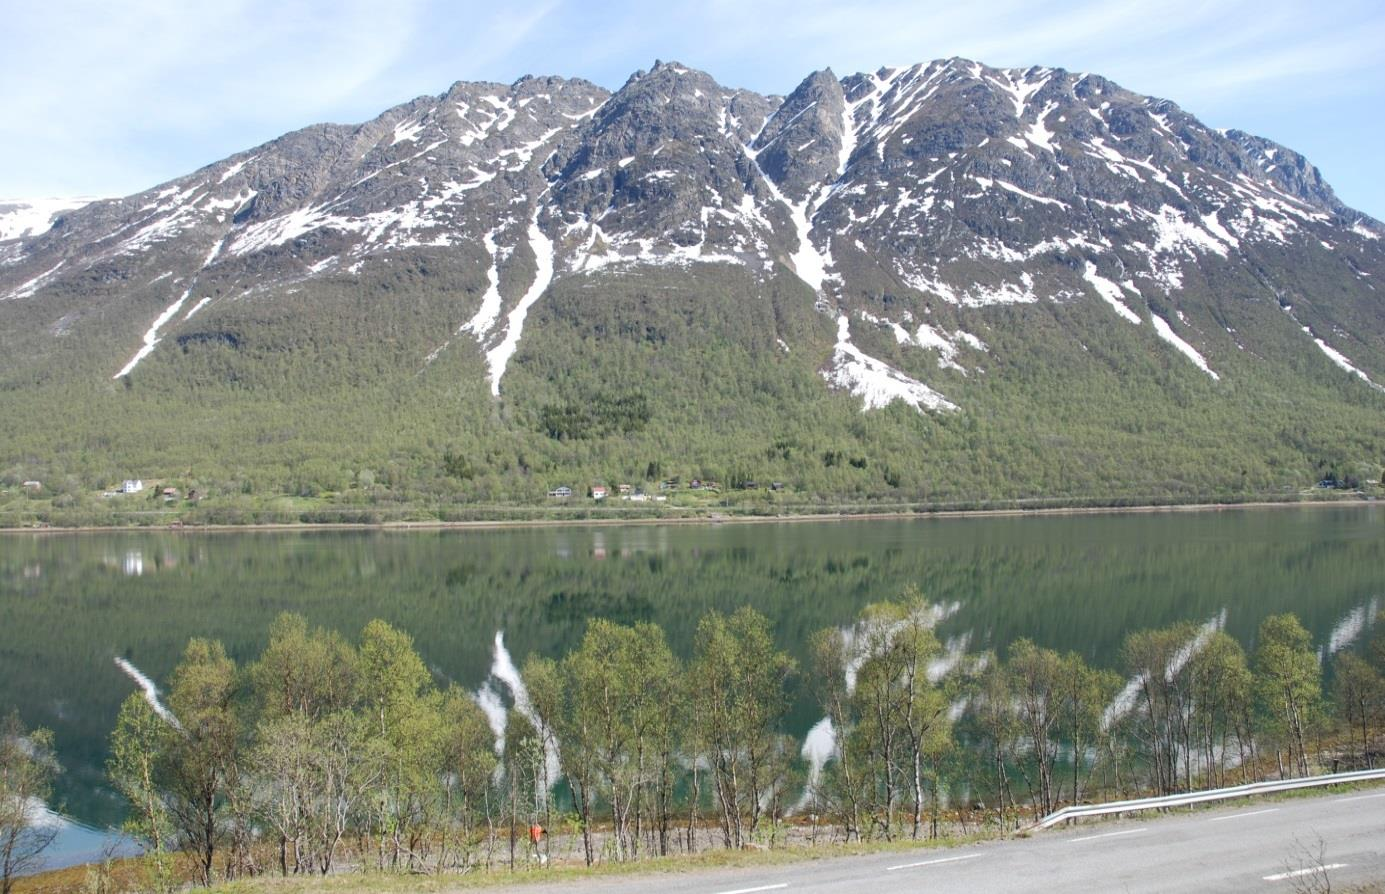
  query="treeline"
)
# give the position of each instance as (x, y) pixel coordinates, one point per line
(320, 742)
(324, 755)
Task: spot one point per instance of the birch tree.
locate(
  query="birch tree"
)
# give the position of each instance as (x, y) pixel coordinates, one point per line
(27, 765)
(202, 763)
(1288, 683)
(138, 745)
(1359, 694)
(738, 683)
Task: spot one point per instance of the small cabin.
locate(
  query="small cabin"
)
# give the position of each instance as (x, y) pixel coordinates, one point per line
(561, 492)
(624, 489)
(33, 485)
(599, 492)
(131, 486)
(169, 493)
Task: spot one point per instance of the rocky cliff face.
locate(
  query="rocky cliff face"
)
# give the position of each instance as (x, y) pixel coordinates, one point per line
(921, 225)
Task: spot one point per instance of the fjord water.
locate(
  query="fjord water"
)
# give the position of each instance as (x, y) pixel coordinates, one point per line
(71, 604)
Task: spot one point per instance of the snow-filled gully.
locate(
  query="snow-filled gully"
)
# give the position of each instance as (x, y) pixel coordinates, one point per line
(498, 357)
(481, 324)
(151, 337)
(877, 383)
(1112, 295)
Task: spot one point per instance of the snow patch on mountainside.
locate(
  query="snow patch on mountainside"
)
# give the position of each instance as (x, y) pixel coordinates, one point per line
(288, 227)
(976, 295)
(1165, 331)
(877, 383)
(1038, 132)
(151, 337)
(848, 138)
(407, 131)
(484, 319)
(1030, 196)
(498, 358)
(930, 338)
(1214, 226)
(986, 182)
(25, 289)
(1109, 292)
(1337, 357)
(1020, 89)
(524, 152)
(480, 325)
(601, 249)
(1341, 360)
(26, 218)
(236, 168)
(196, 307)
(809, 264)
(1174, 232)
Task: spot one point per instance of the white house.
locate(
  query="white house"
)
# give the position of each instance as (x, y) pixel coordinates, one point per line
(132, 486)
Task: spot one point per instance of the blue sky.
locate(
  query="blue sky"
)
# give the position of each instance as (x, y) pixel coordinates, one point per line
(102, 98)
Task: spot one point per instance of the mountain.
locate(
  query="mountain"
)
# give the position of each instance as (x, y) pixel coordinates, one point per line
(27, 218)
(941, 282)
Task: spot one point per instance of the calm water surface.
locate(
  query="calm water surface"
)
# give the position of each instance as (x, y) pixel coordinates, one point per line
(71, 604)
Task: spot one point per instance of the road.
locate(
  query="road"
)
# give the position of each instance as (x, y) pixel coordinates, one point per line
(1253, 847)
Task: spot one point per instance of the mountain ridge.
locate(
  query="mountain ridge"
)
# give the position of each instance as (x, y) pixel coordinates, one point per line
(931, 236)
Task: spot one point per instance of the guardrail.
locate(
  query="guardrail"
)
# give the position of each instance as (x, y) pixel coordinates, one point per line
(1081, 811)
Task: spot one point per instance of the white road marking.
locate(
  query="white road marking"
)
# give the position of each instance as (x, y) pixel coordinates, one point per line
(753, 890)
(1107, 835)
(1360, 798)
(1218, 819)
(1311, 870)
(931, 862)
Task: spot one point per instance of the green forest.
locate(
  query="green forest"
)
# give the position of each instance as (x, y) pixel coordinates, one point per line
(324, 406)
(327, 756)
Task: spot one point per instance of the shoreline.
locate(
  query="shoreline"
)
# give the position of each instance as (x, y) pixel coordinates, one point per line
(711, 518)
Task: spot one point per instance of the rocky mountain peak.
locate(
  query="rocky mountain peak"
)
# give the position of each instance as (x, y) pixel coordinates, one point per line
(1287, 168)
(801, 146)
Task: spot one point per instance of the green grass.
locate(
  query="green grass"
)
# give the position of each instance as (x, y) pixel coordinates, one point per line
(368, 883)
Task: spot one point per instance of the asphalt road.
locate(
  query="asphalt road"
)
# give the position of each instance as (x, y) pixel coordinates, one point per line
(1253, 847)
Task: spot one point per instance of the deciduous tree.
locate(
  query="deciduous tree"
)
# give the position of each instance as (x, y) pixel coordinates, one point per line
(27, 765)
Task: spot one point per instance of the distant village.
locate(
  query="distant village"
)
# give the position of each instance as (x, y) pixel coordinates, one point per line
(637, 495)
(128, 487)
(597, 492)
(136, 486)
